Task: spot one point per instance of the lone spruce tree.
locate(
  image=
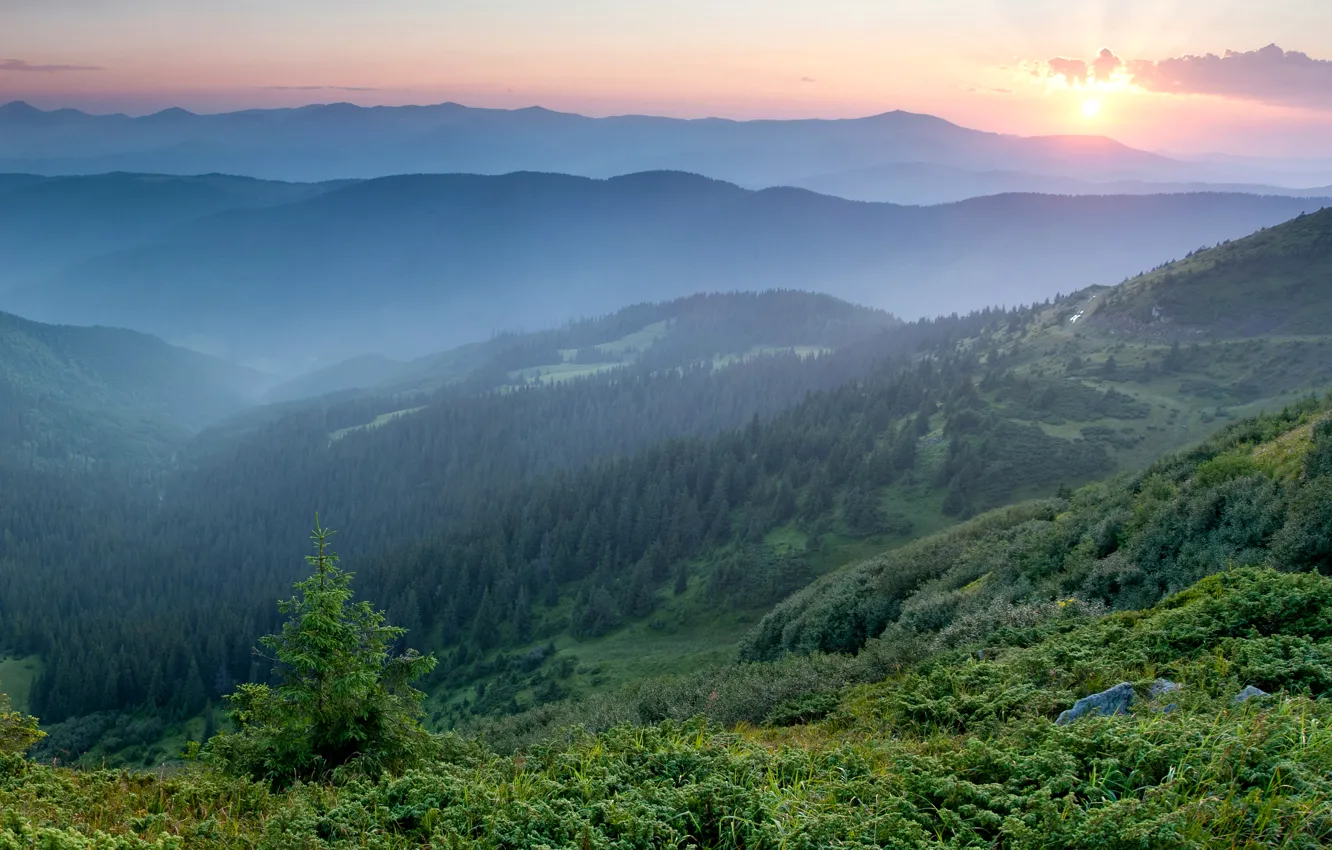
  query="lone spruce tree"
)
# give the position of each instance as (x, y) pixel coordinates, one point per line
(345, 704)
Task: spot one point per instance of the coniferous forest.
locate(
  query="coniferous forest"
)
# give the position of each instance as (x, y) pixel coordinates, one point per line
(440, 476)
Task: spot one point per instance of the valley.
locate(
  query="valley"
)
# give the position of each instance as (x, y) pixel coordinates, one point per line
(773, 441)
(707, 426)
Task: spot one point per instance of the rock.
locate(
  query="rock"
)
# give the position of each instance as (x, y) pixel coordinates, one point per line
(1249, 693)
(1161, 687)
(1116, 700)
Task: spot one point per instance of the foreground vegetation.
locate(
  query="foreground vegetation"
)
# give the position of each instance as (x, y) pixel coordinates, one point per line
(955, 751)
(935, 728)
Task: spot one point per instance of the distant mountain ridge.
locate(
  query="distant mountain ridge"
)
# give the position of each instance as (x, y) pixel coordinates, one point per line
(409, 264)
(341, 140)
(47, 223)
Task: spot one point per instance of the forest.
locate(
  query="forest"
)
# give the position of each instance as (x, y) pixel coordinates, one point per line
(736, 531)
(1197, 584)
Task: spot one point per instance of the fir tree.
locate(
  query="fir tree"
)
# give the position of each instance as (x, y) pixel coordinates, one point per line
(345, 702)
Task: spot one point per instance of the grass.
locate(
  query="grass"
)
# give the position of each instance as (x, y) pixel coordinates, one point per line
(638, 341)
(16, 678)
(378, 422)
(554, 373)
(949, 752)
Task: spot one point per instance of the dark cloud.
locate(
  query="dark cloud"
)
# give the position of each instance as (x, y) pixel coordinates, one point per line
(20, 65)
(1270, 75)
(319, 88)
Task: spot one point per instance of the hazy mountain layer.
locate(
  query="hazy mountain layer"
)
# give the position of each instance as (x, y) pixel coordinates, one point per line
(342, 140)
(94, 396)
(404, 265)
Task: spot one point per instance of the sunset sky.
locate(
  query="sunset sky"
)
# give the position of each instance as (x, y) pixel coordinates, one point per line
(1138, 71)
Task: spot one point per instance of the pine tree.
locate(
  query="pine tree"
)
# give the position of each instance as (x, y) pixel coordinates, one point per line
(18, 731)
(345, 702)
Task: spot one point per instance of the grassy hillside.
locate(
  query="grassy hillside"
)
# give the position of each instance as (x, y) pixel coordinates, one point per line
(1040, 409)
(1252, 495)
(79, 396)
(716, 327)
(958, 749)
(1273, 283)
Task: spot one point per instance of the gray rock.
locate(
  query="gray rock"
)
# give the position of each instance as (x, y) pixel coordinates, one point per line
(1249, 693)
(1116, 700)
(1161, 687)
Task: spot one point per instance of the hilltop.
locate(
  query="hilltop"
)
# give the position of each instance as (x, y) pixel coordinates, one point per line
(1272, 283)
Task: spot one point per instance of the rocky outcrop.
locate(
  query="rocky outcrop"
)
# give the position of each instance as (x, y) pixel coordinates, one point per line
(1249, 693)
(1116, 700)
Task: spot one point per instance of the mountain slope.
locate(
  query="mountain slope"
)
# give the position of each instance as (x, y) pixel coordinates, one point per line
(666, 335)
(88, 395)
(1270, 283)
(929, 183)
(953, 740)
(403, 265)
(49, 223)
(333, 141)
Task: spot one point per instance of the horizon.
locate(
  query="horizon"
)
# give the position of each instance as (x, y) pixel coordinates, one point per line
(137, 114)
(1189, 76)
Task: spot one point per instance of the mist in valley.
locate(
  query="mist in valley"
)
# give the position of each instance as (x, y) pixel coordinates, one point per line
(647, 480)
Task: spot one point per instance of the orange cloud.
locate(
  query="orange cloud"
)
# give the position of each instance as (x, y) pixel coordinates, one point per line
(1269, 75)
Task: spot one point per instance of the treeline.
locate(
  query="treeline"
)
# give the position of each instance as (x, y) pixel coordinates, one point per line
(153, 598)
(1258, 493)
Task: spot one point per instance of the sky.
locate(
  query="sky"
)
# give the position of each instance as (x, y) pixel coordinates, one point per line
(1186, 76)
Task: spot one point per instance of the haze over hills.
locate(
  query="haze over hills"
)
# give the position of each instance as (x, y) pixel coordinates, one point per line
(927, 183)
(944, 162)
(50, 223)
(404, 265)
(103, 396)
(582, 504)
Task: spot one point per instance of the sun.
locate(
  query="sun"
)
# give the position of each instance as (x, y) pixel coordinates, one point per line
(1091, 108)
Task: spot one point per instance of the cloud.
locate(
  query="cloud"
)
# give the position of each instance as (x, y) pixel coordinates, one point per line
(1269, 75)
(1105, 64)
(808, 80)
(320, 88)
(1071, 70)
(20, 65)
(1078, 72)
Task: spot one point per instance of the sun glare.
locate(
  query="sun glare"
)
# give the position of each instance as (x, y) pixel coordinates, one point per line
(1091, 108)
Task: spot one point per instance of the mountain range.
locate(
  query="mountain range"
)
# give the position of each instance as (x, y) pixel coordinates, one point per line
(290, 277)
(896, 156)
(564, 512)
